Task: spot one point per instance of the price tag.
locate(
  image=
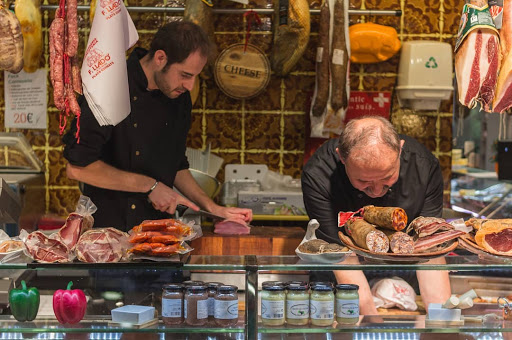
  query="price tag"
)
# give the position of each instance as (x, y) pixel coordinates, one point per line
(25, 100)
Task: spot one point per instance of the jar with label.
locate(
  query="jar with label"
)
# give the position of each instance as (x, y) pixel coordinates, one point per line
(322, 305)
(320, 283)
(272, 283)
(272, 305)
(196, 305)
(212, 290)
(226, 306)
(347, 304)
(172, 304)
(297, 305)
(192, 283)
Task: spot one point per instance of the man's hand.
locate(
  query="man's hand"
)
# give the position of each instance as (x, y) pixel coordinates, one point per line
(166, 199)
(233, 213)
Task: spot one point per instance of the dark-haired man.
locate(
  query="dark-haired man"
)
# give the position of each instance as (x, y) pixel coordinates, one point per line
(370, 164)
(129, 170)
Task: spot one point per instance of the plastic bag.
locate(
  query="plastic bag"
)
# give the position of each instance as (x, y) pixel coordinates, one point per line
(394, 292)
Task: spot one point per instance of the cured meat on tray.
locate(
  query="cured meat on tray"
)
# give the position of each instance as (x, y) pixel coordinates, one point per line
(367, 236)
(393, 218)
(495, 236)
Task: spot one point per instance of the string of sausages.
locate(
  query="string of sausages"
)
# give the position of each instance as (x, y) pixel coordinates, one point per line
(64, 64)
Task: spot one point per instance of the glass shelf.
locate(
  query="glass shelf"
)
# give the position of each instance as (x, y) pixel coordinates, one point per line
(394, 323)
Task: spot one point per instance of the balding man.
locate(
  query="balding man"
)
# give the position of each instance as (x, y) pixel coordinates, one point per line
(370, 164)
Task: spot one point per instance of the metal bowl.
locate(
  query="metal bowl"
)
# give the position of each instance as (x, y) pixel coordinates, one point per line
(210, 185)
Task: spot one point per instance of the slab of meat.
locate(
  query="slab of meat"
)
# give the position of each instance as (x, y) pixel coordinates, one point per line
(503, 96)
(75, 225)
(291, 34)
(478, 223)
(495, 237)
(45, 249)
(424, 226)
(366, 236)
(392, 218)
(29, 15)
(476, 67)
(102, 245)
(425, 243)
(232, 227)
(11, 41)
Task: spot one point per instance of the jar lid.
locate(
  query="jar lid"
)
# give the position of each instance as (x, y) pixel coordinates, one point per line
(297, 287)
(320, 283)
(274, 288)
(214, 285)
(272, 283)
(173, 286)
(191, 282)
(227, 289)
(196, 288)
(296, 283)
(322, 288)
(344, 286)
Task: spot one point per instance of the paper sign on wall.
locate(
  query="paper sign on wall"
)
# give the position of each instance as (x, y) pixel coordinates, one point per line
(364, 103)
(25, 100)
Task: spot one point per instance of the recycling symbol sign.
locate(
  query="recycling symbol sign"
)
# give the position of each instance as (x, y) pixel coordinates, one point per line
(431, 63)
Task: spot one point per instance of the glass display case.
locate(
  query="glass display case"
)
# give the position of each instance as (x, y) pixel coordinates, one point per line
(100, 281)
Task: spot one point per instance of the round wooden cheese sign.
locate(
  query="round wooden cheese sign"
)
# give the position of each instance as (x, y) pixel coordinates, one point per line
(242, 75)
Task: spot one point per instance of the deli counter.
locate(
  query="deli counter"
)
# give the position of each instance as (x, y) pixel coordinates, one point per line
(97, 324)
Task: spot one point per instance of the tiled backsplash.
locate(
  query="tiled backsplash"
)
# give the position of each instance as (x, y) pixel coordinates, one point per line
(270, 128)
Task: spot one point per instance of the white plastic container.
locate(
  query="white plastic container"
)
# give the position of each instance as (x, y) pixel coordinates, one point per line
(424, 74)
(133, 314)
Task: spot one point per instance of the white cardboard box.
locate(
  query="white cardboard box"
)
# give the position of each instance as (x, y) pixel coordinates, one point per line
(133, 314)
(272, 203)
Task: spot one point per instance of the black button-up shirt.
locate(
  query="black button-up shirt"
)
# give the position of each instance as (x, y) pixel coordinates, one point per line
(150, 141)
(327, 189)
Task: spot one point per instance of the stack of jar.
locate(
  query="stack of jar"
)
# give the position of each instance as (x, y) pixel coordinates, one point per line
(296, 303)
(197, 303)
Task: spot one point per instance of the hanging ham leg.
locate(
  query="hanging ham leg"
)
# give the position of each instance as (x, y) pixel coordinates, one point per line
(476, 66)
(503, 98)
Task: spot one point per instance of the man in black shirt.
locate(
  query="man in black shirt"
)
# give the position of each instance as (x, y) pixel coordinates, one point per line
(130, 169)
(370, 164)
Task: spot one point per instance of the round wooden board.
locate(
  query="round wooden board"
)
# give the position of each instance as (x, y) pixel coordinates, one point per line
(242, 75)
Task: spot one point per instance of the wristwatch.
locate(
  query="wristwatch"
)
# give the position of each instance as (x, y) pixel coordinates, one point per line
(152, 188)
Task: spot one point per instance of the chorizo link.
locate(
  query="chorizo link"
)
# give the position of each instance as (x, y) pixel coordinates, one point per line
(72, 28)
(57, 62)
(76, 78)
(322, 62)
(367, 236)
(393, 218)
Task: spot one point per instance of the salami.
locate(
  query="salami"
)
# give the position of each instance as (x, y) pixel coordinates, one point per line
(399, 242)
(339, 59)
(322, 62)
(57, 62)
(76, 78)
(392, 218)
(72, 28)
(367, 236)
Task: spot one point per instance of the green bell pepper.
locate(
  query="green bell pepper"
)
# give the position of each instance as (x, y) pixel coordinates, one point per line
(24, 302)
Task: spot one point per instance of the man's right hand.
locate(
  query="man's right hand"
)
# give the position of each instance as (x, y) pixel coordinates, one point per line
(166, 199)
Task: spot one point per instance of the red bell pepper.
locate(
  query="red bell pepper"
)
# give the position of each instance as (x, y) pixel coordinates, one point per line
(69, 305)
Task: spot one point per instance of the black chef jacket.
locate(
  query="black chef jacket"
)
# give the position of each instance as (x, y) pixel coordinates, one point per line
(150, 141)
(327, 189)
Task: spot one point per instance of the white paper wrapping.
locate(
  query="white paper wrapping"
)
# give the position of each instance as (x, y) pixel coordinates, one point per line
(104, 74)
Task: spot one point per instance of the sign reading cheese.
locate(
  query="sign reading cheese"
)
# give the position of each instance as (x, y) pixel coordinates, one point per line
(242, 74)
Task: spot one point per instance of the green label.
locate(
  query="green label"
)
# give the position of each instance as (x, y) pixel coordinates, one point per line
(473, 17)
(431, 63)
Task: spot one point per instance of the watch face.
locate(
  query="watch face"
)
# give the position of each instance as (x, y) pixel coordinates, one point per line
(242, 71)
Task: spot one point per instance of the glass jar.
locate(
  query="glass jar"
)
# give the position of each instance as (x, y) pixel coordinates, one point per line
(172, 304)
(322, 305)
(192, 283)
(212, 290)
(272, 305)
(297, 305)
(226, 306)
(272, 283)
(320, 283)
(347, 304)
(196, 305)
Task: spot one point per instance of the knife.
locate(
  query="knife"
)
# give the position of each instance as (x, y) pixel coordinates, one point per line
(182, 208)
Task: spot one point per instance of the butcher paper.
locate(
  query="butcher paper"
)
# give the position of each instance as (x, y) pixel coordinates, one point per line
(104, 74)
